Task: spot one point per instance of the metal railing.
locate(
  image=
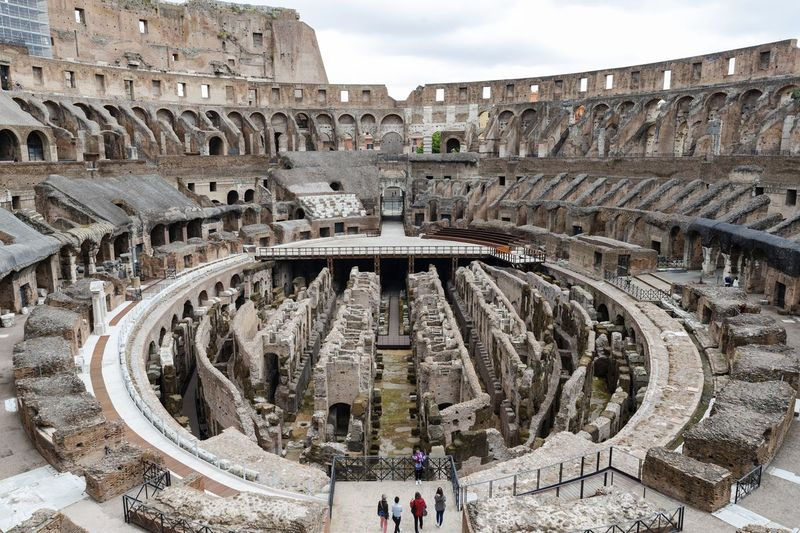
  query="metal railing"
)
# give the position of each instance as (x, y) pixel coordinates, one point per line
(129, 324)
(670, 262)
(377, 468)
(640, 293)
(748, 483)
(516, 255)
(662, 522)
(554, 477)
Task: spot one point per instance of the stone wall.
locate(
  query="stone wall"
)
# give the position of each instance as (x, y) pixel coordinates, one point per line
(438, 351)
(344, 375)
(523, 365)
(120, 470)
(701, 485)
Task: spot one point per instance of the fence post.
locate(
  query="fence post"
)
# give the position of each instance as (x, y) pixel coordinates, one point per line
(490, 488)
(514, 489)
(582, 459)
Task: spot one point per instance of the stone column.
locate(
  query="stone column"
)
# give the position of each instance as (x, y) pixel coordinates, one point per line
(91, 268)
(709, 261)
(98, 307)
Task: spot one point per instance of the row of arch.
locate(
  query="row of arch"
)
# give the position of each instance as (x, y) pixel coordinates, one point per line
(36, 145)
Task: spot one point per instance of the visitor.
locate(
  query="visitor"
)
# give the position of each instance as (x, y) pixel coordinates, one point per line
(419, 464)
(728, 281)
(419, 509)
(736, 282)
(439, 504)
(397, 514)
(383, 512)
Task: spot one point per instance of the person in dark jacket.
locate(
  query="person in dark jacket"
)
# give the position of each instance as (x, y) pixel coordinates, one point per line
(439, 504)
(383, 512)
(419, 509)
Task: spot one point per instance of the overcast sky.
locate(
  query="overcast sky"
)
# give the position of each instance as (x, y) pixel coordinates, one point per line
(403, 44)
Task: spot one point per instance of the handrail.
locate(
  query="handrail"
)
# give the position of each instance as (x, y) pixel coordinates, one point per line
(625, 284)
(514, 255)
(599, 461)
(655, 523)
(127, 326)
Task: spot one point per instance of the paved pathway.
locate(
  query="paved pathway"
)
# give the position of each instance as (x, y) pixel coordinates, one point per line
(355, 506)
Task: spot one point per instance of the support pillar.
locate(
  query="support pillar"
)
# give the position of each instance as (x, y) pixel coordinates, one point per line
(99, 307)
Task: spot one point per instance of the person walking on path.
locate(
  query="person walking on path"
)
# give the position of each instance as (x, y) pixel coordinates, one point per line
(419, 458)
(419, 509)
(383, 512)
(439, 504)
(397, 514)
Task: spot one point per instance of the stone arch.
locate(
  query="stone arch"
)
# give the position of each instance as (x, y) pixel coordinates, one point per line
(37, 146)
(233, 197)
(715, 102)
(624, 108)
(302, 121)
(602, 313)
(748, 100)
(188, 309)
(157, 237)
(784, 94)
(216, 145)
(236, 280)
(504, 118)
(392, 143)
(528, 118)
(249, 217)
(339, 418)
(9, 146)
(368, 124)
(190, 117)
(279, 123)
(219, 288)
(249, 195)
(453, 145)
(202, 297)
(392, 122)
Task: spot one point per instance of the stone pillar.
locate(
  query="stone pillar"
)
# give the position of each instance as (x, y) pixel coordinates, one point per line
(728, 268)
(184, 231)
(709, 261)
(99, 307)
(91, 268)
(72, 267)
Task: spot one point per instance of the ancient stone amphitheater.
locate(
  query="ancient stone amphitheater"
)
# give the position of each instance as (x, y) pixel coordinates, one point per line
(235, 297)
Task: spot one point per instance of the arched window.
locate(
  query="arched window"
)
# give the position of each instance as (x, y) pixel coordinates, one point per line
(215, 146)
(35, 147)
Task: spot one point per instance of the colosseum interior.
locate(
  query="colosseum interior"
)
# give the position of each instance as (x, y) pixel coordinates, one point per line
(236, 297)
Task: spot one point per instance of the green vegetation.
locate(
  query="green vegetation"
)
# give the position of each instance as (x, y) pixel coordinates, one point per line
(796, 94)
(436, 142)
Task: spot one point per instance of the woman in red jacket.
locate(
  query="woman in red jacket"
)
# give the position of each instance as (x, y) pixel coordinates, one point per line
(419, 509)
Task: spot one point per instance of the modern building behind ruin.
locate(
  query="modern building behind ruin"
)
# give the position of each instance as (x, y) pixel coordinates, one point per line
(283, 272)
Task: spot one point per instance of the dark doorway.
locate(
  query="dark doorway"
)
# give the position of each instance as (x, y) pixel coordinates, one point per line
(339, 417)
(780, 294)
(5, 77)
(215, 146)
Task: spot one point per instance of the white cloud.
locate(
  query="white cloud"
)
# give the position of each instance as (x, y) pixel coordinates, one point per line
(405, 44)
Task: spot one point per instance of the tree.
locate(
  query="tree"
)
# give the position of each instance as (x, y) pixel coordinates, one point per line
(436, 142)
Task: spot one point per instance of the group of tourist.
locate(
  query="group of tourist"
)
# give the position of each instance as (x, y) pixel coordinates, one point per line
(419, 508)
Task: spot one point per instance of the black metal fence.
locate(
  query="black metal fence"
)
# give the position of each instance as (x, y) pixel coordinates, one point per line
(640, 293)
(748, 483)
(670, 263)
(663, 522)
(376, 468)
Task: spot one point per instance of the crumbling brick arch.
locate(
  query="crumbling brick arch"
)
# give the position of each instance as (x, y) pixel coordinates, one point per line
(9, 146)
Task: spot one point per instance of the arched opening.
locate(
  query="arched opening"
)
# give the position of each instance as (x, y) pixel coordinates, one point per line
(233, 197)
(602, 313)
(219, 288)
(195, 228)
(36, 147)
(235, 281)
(202, 298)
(302, 121)
(392, 143)
(249, 217)
(161, 335)
(299, 213)
(249, 195)
(336, 185)
(619, 320)
(188, 310)
(215, 146)
(173, 323)
(339, 418)
(9, 146)
(158, 235)
(453, 146)
(443, 406)
(271, 375)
